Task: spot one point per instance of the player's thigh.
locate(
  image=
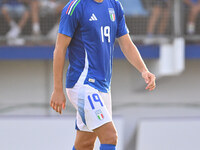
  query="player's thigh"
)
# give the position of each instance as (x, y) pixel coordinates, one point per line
(85, 140)
(107, 133)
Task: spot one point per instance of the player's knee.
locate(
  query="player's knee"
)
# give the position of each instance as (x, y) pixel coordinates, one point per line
(90, 144)
(111, 139)
(86, 145)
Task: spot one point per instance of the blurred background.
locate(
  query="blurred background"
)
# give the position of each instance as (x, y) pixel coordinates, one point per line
(167, 34)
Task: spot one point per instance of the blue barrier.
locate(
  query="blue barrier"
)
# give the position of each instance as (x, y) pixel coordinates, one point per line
(26, 52)
(192, 51)
(46, 52)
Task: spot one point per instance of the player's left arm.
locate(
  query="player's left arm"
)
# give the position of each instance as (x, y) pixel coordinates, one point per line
(133, 56)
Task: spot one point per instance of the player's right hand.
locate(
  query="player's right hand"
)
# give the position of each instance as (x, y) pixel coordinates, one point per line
(58, 101)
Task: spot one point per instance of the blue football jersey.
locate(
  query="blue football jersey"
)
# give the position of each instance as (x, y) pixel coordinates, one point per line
(93, 28)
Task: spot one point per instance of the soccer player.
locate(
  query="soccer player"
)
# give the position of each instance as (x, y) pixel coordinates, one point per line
(88, 29)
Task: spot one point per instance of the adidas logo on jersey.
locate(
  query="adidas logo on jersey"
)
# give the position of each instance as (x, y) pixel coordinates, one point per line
(93, 18)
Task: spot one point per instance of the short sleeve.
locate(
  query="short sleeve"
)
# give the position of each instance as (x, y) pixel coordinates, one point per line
(69, 19)
(121, 26)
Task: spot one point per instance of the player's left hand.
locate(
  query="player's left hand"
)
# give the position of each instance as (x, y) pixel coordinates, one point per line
(150, 80)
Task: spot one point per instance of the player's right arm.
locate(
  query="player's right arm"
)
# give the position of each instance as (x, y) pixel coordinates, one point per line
(58, 99)
(68, 23)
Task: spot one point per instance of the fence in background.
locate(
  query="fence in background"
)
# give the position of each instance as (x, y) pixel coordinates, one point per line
(160, 19)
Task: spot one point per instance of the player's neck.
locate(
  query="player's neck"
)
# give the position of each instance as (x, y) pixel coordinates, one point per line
(99, 1)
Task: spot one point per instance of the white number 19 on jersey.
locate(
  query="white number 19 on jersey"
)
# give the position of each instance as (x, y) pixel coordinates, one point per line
(105, 32)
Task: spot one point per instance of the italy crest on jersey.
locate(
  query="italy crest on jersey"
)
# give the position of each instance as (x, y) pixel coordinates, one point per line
(99, 114)
(112, 14)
